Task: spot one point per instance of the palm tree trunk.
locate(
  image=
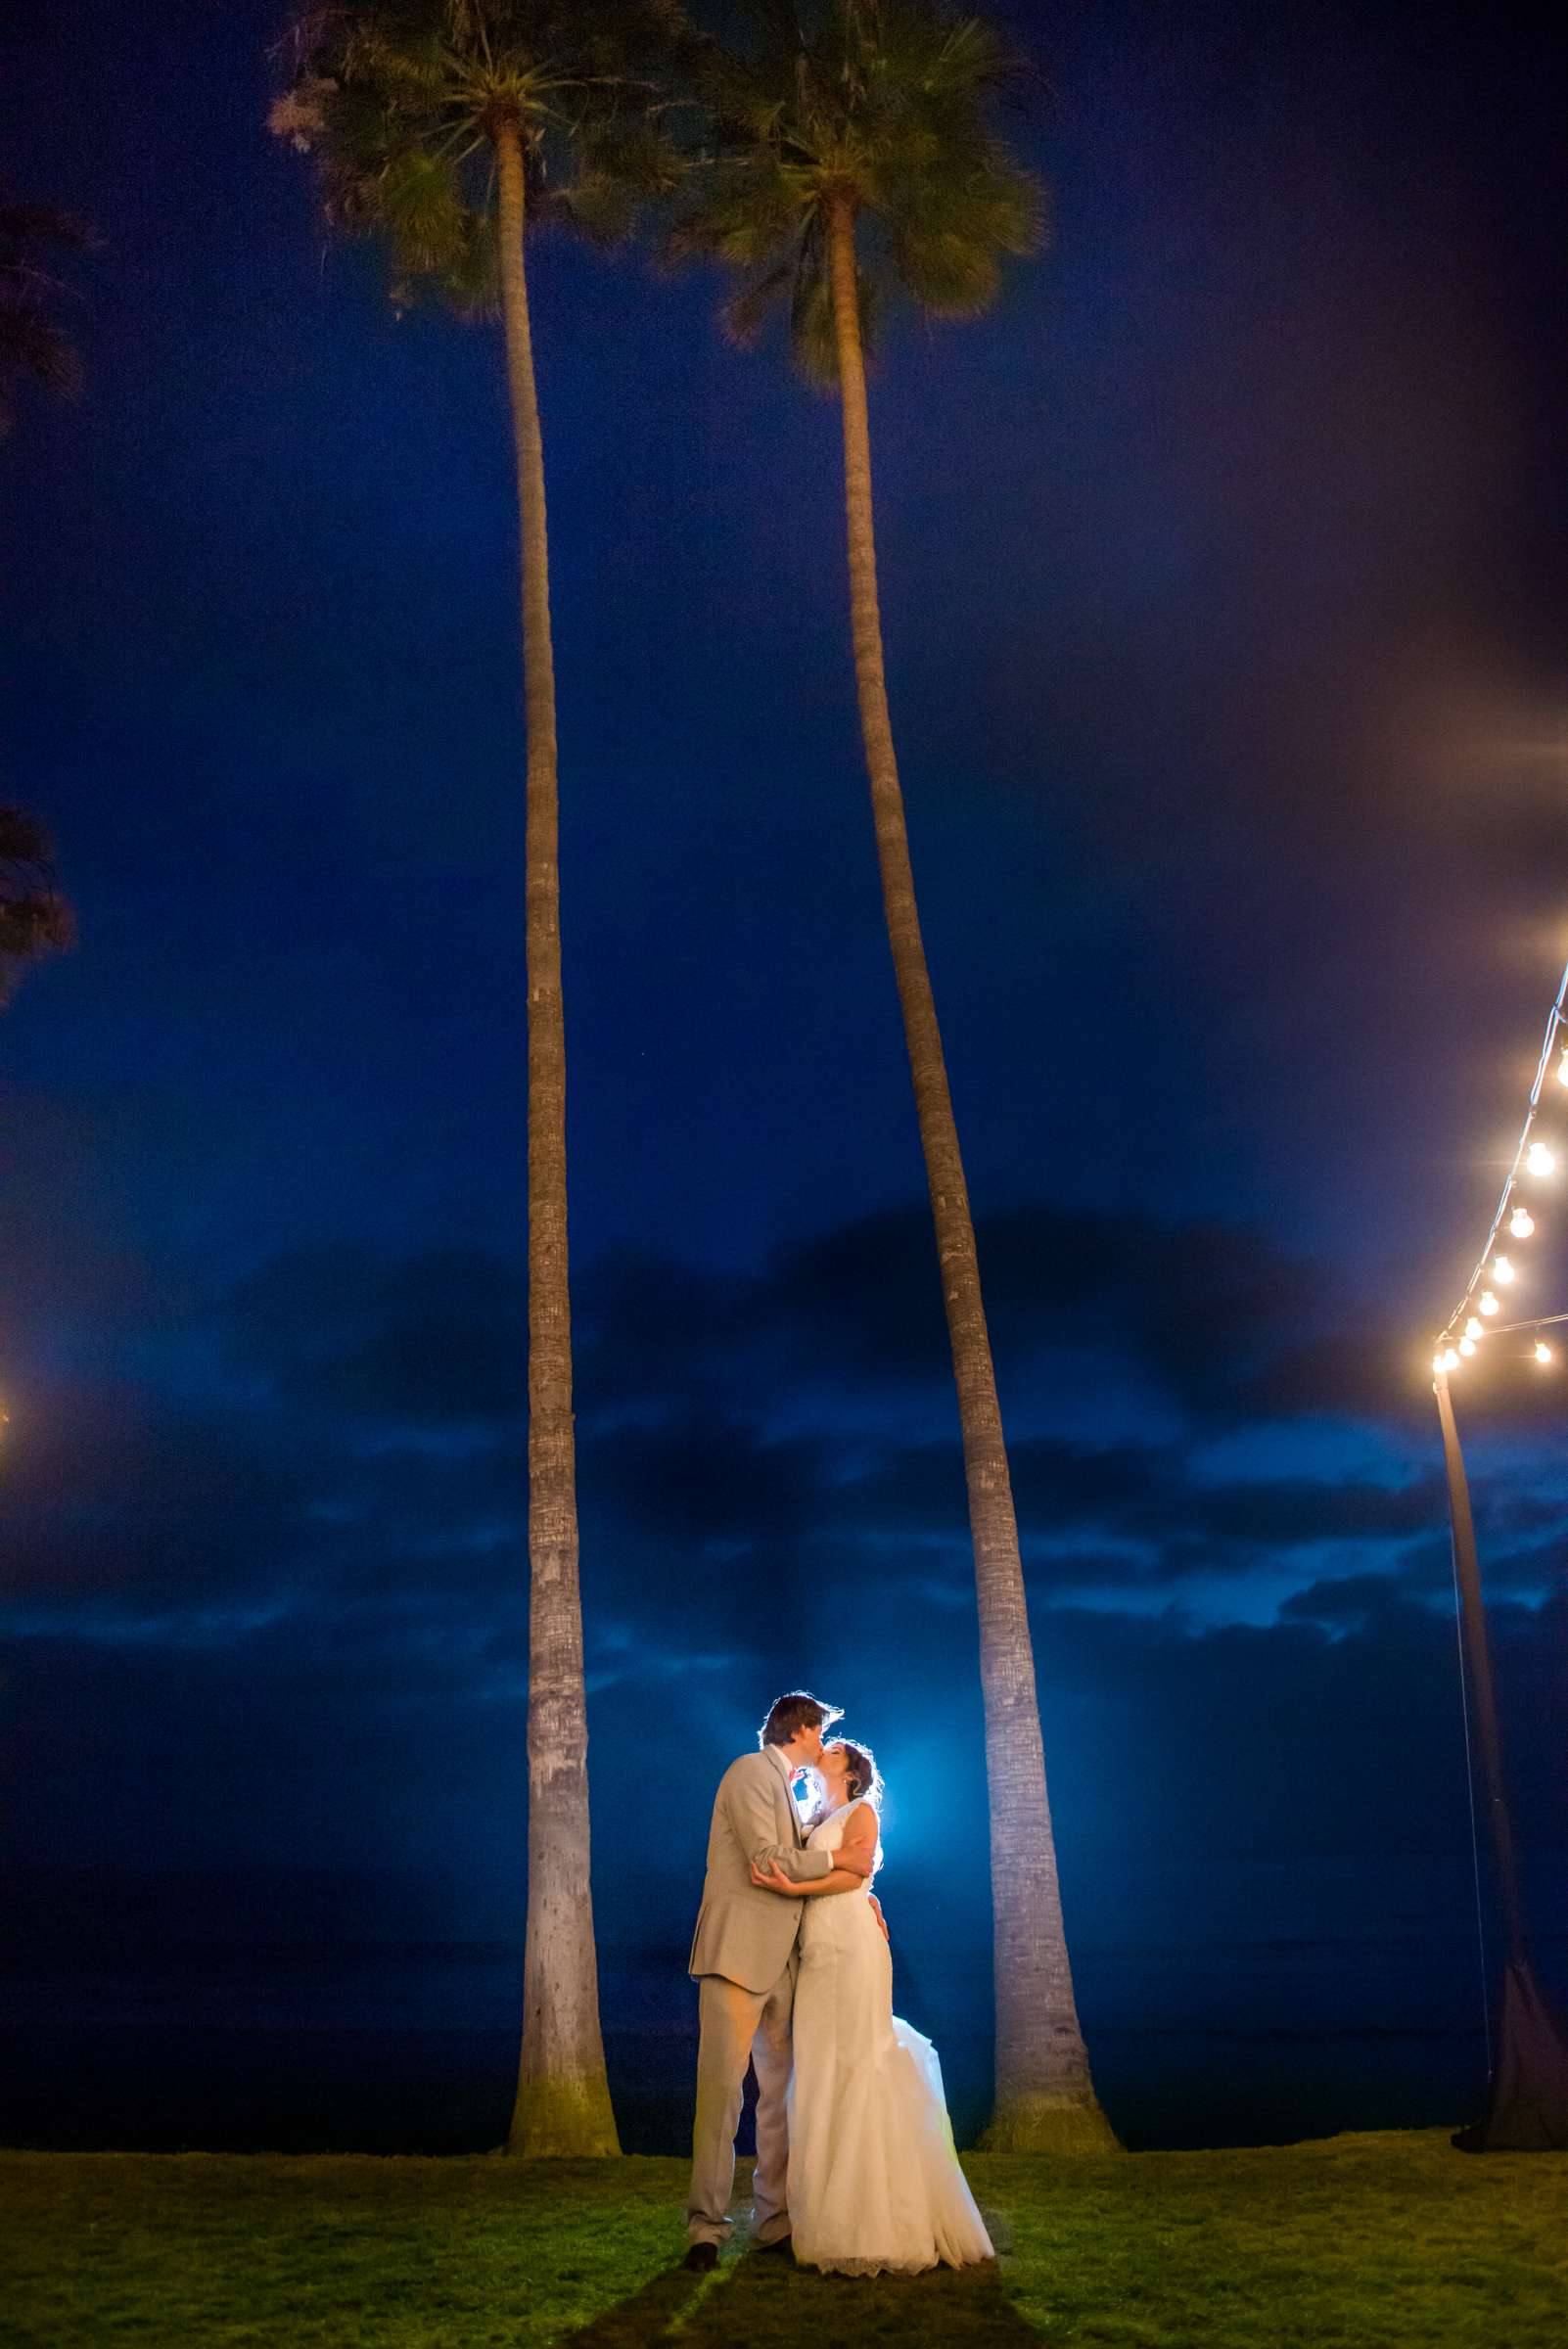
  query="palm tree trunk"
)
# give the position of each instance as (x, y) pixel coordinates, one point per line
(1045, 2098)
(563, 2095)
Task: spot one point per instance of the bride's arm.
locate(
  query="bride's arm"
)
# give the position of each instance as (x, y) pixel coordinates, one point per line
(852, 1862)
(839, 1879)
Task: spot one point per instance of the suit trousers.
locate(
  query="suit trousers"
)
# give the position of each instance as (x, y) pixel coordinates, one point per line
(738, 2027)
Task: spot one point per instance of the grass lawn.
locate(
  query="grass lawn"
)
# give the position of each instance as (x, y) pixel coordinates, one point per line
(1378, 2239)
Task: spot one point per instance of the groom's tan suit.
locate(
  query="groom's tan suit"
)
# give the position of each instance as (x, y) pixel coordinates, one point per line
(743, 1955)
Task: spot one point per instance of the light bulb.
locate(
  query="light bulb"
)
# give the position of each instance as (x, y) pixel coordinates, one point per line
(1450, 1360)
(1487, 1301)
(1474, 1328)
(1538, 1159)
(1543, 1350)
(1562, 1069)
(1501, 1270)
(1437, 1364)
(1468, 1344)
(1521, 1222)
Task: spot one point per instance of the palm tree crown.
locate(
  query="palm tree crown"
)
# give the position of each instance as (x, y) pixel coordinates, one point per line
(883, 104)
(34, 918)
(32, 342)
(402, 103)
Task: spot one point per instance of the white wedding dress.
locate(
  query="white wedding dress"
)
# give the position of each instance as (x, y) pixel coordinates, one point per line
(874, 2183)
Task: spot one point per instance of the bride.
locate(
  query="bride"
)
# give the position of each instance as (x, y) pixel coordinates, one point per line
(874, 2183)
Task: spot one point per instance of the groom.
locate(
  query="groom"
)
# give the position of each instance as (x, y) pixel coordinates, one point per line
(744, 1958)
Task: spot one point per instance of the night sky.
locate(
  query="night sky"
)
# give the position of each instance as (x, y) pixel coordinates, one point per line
(1226, 597)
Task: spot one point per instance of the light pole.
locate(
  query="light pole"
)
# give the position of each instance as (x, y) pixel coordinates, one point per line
(1527, 2107)
(1478, 1662)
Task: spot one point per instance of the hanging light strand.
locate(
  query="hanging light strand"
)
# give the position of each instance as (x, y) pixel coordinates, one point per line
(1532, 1155)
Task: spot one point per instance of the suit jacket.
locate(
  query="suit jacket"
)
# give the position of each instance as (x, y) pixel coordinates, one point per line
(742, 1932)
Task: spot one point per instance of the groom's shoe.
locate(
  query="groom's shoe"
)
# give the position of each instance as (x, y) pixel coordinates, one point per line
(779, 2243)
(701, 2258)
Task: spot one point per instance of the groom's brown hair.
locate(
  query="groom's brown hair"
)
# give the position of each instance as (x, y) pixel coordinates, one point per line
(797, 1711)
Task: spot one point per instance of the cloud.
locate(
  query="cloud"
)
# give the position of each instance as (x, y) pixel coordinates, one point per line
(362, 1429)
(1211, 1321)
(431, 1337)
(1214, 1318)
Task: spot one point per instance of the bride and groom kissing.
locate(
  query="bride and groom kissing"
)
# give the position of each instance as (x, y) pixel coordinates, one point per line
(856, 2168)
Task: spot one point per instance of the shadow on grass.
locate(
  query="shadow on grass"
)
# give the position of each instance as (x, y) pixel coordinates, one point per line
(646, 2317)
(758, 2302)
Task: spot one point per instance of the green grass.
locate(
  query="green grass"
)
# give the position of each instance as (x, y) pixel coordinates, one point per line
(1377, 2242)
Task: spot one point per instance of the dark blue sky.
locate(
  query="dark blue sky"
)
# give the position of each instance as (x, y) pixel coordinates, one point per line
(1225, 596)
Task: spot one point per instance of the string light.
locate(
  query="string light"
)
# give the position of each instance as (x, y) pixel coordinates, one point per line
(1531, 1156)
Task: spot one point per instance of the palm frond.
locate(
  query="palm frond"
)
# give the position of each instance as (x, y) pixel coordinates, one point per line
(34, 917)
(401, 102)
(947, 239)
(744, 317)
(33, 344)
(742, 210)
(886, 105)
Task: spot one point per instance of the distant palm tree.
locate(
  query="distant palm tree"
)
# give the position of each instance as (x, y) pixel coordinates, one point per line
(449, 128)
(34, 918)
(32, 342)
(855, 151)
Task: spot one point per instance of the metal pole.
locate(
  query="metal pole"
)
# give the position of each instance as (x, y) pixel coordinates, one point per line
(1479, 1654)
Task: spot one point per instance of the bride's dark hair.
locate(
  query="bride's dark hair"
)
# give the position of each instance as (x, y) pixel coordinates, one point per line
(861, 1778)
(863, 1775)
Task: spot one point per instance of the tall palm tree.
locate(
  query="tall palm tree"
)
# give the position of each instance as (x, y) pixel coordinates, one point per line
(854, 151)
(33, 344)
(34, 918)
(452, 128)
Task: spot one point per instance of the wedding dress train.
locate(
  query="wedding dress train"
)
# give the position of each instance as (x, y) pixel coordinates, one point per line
(874, 2183)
